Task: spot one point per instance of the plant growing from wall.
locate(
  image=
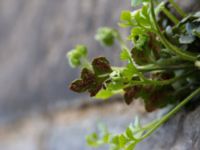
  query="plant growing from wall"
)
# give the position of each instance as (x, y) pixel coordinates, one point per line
(162, 66)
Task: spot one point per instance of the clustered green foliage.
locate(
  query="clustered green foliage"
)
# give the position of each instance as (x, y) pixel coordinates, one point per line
(106, 36)
(76, 55)
(162, 66)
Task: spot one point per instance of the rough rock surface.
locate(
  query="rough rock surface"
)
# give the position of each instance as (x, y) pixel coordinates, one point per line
(66, 129)
(181, 133)
(34, 37)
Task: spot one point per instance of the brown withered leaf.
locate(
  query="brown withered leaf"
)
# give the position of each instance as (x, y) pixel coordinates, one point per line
(162, 75)
(159, 97)
(91, 81)
(78, 86)
(88, 77)
(151, 103)
(130, 94)
(101, 66)
(139, 56)
(154, 46)
(95, 89)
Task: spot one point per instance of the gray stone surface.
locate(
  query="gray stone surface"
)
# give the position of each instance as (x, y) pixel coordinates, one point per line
(66, 129)
(181, 133)
(34, 74)
(34, 38)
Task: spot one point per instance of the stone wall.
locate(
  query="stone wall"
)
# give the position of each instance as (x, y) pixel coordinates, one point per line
(34, 38)
(66, 129)
(34, 74)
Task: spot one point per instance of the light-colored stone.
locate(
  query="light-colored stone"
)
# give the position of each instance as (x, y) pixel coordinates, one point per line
(34, 74)
(34, 38)
(66, 129)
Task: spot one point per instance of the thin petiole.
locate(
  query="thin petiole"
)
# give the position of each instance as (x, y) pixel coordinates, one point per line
(159, 82)
(177, 8)
(123, 46)
(170, 15)
(172, 112)
(166, 43)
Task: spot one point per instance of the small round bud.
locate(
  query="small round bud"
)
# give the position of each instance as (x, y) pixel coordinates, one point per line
(75, 62)
(106, 36)
(82, 50)
(73, 59)
(75, 55)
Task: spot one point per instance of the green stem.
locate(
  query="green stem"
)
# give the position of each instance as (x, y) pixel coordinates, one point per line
(166, 43)
(170, 15)
(159, 82)
(124, 47)
(178, 9)
(152, 67)
(168, 63)
(172, 112)
(86, 63)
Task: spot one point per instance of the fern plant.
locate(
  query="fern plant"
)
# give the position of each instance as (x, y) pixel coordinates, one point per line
(162, 66)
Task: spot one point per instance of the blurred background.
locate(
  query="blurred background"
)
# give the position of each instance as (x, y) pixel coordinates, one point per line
(37, 110)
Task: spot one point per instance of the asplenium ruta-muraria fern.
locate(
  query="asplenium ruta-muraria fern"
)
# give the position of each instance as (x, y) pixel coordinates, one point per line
(162, 66)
